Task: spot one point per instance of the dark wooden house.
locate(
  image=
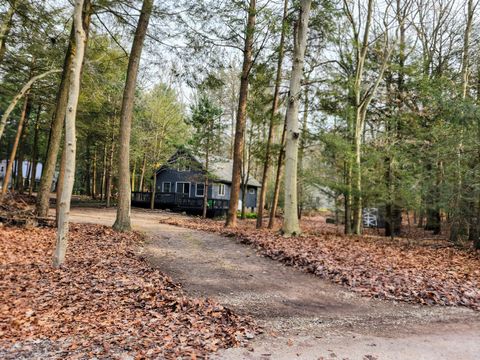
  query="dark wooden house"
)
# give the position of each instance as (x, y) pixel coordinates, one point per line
(180, 185)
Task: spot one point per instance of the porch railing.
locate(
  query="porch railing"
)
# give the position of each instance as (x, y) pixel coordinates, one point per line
(178, 200)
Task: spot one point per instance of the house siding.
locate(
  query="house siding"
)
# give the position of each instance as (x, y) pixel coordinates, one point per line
(197, 176)
(173, 176)
(251, 199)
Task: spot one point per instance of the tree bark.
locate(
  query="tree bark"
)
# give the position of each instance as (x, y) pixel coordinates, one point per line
(142, 173)
(34, 159)
(348, 198)
(122, 222)
(291, 225)
(70, 140)
(276, 98)
(132, 187)
(154, 191)
(60, 184)
(301, 154)
(13, 153)
(278, 177)
(246, 174)
(205, 188)
(87, 174)
(48, 170)
(108, 177)
(104, 172)
(94, 173)
(241, 115)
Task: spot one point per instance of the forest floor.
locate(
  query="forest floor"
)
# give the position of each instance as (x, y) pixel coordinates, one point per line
(105, 302)
(306, 316)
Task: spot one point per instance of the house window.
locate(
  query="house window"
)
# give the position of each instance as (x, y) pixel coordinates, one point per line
(167, 187)
(183, 188)
(200, 190)
(251, 191)
(221, 189)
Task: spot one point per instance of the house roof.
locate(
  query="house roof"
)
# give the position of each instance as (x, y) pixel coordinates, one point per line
(220, 168)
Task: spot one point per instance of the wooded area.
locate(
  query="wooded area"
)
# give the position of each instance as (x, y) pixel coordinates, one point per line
(388, 104)
(339, 108)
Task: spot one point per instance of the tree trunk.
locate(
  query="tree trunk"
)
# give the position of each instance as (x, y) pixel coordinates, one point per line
(301, 154)
(278, 177)
(70, 140)
(13, 153)
(357, 181)
(48, 170)
(21, 94)
(94, 173)
(291, 224)
(108, 179)
(5, 28)
(122, 222)
(348, 197)
(246, 173)
(142, 174)
(205, 188)
(241, 115)
(34, 159)
(132, 187)
(104, 172)
(87, 175)
(60, 184)
(276, 97)
(23, 137)
(459, 226)
(433, 222)
(154, 192)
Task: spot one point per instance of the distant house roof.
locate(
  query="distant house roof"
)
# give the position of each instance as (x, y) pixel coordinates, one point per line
(220, 168)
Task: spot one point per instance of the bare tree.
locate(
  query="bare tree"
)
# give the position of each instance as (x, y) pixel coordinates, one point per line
(362, 96)
(291, 224)
(241, 115)
(48, 170)
(122, 222)
(70, 137)
(458, 222)
(276, 98)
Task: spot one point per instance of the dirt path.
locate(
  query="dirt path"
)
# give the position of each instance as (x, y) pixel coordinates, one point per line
(304, 317)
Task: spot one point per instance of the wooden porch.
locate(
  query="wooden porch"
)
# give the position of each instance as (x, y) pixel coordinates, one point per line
(180, 202)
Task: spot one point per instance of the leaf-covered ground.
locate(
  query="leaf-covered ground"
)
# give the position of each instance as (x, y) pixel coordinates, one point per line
(420, 272)
(105, 302)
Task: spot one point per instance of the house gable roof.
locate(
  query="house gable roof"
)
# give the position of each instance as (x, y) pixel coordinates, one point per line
(219, 167)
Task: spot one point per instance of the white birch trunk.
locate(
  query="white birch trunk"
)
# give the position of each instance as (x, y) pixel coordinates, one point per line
(70, 140)
(291, 224)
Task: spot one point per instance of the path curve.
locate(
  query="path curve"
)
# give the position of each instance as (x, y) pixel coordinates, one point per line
(304, 317)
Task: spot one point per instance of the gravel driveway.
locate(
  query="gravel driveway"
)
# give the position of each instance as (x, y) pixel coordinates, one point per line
(304, 317)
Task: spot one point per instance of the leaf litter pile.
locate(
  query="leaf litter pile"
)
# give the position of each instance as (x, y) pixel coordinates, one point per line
(372, 266)
(105, 302)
